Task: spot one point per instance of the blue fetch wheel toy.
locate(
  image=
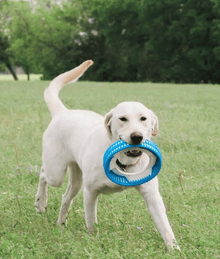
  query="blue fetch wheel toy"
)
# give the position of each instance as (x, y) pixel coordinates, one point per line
(147, 173)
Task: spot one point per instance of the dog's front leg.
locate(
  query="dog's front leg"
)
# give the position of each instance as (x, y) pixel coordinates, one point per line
(90, 206)
(153, 199)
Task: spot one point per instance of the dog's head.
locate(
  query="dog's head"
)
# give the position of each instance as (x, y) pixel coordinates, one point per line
(133, 123)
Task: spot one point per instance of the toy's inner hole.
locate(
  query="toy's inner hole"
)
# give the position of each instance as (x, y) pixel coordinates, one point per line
(125, 164)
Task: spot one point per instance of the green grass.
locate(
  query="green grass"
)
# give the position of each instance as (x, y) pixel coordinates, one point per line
(189, 181)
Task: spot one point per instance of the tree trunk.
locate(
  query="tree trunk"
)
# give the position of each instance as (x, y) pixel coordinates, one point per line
(28, 74)
(10, 68)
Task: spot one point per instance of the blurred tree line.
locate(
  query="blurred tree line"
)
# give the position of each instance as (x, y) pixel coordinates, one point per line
(130, 40)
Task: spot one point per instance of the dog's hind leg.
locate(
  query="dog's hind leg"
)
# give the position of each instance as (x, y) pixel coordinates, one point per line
(41, 196)
(75, 185)
(53, 174)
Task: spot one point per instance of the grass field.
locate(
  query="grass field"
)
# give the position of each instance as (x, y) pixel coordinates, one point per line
(189, 181)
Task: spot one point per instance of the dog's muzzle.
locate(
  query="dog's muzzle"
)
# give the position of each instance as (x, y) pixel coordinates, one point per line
(136, 137)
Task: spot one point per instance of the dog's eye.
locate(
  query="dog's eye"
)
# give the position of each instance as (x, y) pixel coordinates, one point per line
(143, 118)
(123, 119)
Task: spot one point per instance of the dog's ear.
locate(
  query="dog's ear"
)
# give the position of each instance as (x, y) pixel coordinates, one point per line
(154, 125)
(108, 120)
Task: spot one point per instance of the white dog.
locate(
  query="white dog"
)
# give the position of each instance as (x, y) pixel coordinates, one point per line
(78, 139)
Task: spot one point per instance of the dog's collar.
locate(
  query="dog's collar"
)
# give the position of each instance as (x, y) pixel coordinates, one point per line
(126, 167)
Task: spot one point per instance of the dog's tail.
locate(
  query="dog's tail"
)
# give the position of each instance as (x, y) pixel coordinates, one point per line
(51, 93)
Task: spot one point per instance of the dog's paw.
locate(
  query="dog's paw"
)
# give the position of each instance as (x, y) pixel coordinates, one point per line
(91, 230)
(40, 205)
(173, 246)
(62, 221)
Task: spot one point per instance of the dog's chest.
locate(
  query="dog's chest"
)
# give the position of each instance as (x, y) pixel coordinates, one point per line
(112, 188)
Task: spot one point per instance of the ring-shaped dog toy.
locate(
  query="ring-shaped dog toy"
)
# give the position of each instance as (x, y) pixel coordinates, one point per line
(150, 170)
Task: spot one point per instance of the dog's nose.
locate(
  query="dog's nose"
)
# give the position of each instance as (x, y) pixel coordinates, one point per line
(136, 137)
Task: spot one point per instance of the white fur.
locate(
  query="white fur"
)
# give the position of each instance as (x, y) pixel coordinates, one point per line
(78, 139)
